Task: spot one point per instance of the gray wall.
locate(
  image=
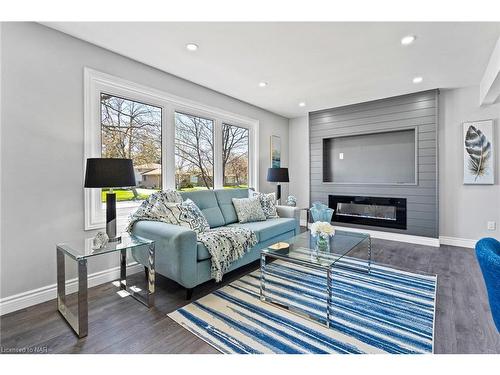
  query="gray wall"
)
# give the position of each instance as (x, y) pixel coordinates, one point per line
(42, 144)
(417, 110)
(387, 157)
(465, 209)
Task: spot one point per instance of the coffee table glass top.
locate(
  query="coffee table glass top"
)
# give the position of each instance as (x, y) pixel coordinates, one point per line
(83, 247)
(301, 248)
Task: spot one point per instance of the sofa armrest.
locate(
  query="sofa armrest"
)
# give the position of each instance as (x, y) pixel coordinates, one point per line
(176, 249)
(288, 211)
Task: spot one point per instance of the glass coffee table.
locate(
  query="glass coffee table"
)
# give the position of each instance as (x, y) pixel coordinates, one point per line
(80, 251)
(301, 252)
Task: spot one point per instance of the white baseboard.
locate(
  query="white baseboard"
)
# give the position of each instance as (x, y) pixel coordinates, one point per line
(429, 241)
(46, 293)
(455, 241)
(419, 240)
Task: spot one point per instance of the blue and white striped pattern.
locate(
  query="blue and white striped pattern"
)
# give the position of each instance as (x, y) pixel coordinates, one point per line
(386, 311)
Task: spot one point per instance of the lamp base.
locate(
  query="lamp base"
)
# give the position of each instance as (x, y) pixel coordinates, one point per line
(278, 194)
(111, 217)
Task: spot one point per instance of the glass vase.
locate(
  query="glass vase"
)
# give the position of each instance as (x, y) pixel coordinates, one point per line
(323, 242)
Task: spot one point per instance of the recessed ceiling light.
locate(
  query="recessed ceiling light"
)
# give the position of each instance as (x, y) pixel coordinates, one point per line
(191, 47)
(417, 80)
(302, 104)
(262, 84)
(407, 40)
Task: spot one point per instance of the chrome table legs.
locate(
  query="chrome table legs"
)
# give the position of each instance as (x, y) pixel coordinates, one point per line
(79, 323)
(145, 297)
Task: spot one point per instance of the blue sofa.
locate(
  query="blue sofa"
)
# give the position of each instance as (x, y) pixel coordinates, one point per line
(180, 257)
(488, 256)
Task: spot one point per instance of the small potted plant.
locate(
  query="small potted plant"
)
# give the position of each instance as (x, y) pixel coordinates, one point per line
(322, 231)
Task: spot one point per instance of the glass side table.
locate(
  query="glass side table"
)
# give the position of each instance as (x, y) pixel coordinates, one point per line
(79, 252)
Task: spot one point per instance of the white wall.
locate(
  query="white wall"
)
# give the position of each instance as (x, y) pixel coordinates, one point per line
(42, 144)
(298, 150)
(465, 209)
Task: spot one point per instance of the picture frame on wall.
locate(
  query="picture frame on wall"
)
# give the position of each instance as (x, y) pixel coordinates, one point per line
(275, 151)
(479, 150)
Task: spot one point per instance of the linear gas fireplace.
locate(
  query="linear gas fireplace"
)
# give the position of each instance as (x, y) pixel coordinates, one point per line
(373, 211)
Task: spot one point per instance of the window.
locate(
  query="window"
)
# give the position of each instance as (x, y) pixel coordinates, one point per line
(194, 152)
(173, 142)
(132, 130)
(235, 156)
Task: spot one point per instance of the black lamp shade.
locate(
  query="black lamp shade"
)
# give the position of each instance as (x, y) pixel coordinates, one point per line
(277, 175)
(109, 173)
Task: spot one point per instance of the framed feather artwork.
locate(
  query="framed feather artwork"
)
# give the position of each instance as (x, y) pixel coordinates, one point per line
(478, 152)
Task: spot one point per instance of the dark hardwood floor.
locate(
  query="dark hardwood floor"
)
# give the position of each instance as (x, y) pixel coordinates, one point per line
(123, 325)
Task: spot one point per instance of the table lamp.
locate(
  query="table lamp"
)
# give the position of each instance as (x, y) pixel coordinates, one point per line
(109, 173)
(278, 175)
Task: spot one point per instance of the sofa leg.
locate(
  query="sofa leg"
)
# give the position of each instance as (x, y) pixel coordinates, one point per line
(189, 293)
(146, 271)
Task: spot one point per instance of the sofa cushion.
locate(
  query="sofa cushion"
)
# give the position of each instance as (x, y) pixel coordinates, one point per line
(224, 197)
(264, 230)
(207, 203)
(269, 228)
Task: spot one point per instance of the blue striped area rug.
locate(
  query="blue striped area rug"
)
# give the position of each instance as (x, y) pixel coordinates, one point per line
(386, 311)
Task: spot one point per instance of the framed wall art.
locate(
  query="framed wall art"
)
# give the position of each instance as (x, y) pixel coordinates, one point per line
(478, 152)
(275, 151)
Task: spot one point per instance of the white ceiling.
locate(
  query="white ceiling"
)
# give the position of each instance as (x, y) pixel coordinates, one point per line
(324, 64)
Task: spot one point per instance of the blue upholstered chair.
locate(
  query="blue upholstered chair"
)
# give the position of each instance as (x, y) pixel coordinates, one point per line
(321, 212)
(488, 255)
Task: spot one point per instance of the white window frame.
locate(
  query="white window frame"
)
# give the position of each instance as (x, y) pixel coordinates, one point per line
(96, 82)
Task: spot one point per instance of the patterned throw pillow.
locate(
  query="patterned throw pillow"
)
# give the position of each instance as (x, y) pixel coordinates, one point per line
(158, 208)
(248, 209)
(172, 195)
(192, 217)
(268, 204)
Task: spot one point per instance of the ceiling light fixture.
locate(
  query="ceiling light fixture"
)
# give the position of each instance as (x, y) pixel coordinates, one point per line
(302, 104)
(262, 84)
(191, 47)
(417, 80)
(407, 40)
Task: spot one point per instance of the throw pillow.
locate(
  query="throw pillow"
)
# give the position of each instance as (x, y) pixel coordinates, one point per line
(192, 217)
(157, 208)
(172, 195)
(268, 204)
(248, 209)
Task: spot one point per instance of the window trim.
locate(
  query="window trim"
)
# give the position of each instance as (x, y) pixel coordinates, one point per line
(96, 82)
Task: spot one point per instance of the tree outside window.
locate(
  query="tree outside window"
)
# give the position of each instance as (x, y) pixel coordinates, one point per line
(130, 129)
(235, 156)
(194, 152)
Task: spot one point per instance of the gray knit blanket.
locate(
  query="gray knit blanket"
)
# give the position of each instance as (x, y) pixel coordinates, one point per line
(224, 244)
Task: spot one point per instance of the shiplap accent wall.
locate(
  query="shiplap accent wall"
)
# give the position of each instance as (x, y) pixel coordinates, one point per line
(419, 111)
